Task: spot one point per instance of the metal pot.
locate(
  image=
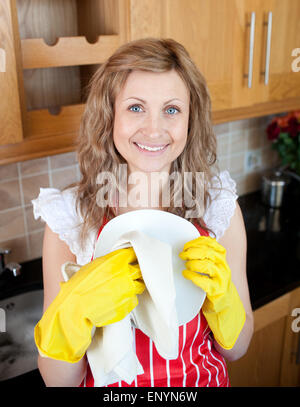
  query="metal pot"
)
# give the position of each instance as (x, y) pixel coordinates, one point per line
(273, 188)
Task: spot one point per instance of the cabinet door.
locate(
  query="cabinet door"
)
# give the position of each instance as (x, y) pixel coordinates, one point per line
(261, 366)
(285, 40)
(216, 33)
(290, 371)
(11, 85)
(277, 38)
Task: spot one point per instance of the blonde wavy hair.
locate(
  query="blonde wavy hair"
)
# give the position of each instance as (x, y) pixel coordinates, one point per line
(96, 151)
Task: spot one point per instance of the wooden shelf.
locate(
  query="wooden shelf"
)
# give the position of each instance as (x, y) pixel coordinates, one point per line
(46, 134)
(68, 51)
(66, 122)
(30, 149)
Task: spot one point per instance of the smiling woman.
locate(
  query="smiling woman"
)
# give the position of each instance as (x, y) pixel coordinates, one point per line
(149, 110)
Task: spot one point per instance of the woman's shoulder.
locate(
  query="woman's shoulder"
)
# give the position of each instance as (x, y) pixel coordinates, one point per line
(57, 208)
(222, 204)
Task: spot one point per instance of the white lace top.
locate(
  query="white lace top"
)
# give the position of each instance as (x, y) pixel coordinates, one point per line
(57, 209)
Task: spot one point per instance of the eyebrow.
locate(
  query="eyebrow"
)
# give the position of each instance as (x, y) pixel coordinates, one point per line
(143, 101)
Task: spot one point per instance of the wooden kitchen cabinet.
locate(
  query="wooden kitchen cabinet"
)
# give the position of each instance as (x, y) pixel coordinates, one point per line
(277, 33)
(217, 34)
(273, 355)
(53, 47)
(212, 31)
(12, 106)
(284, 82)
(61, 44)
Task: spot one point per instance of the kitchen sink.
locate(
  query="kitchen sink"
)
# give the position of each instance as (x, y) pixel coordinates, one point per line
(20, 313)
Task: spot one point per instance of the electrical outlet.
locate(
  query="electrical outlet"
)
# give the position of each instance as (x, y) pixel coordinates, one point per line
(252, 160)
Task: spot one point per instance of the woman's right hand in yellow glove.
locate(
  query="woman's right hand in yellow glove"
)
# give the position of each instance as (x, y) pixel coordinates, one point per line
(102, 292)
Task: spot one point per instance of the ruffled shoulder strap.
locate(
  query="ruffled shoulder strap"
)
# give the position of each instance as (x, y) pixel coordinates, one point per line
(223, 202)
(57, 209)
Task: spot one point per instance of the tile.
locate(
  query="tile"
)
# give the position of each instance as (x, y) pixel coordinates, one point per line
(236, 164)
(11, 224)
(63, 160)
(253, 138)
(64, 177)
(255, 122)
(237, 142)
(34, 166)
(223, 145)
(8, 171)
(31, 186)
(32, 224)
(78, 172)
(222, 128)
(253, 181)
(239, 125)
(10, 194)
(269, 158)
(35, 244)
(223, 162)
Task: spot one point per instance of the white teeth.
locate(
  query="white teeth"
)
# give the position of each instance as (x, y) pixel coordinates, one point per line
(150, 148)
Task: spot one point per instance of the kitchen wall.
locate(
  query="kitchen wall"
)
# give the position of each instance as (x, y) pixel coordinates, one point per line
(20, 182)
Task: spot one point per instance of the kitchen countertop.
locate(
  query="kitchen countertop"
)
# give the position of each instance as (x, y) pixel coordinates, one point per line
(273, 251)
(273, 245)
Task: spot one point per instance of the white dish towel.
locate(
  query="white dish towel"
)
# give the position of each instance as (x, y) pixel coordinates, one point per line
(111, 354)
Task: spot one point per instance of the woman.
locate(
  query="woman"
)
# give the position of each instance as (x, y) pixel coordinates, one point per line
(149, 95)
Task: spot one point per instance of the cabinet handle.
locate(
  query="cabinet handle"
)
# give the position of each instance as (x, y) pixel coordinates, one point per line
(251, 48)
(268, 47)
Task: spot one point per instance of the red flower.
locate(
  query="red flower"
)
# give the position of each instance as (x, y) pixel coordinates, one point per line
(283, 120)
(273, 130)
(293, 127)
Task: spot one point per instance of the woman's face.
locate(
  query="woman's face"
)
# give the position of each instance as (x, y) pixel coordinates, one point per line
(152, 110)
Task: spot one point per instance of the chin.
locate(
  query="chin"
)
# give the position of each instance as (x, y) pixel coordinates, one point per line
(152, 168)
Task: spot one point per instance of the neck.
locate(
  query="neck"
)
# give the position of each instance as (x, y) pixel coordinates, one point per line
(143, 191)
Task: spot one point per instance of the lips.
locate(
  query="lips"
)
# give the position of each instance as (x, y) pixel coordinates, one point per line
(150, 145)
(151, 153)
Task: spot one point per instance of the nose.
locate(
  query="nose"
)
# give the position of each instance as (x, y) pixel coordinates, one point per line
(153, 125)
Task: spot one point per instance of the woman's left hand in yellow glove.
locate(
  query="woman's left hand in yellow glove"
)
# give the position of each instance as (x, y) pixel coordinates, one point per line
(207, 267)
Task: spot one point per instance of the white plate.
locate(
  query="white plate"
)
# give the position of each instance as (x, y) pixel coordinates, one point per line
(166, 227)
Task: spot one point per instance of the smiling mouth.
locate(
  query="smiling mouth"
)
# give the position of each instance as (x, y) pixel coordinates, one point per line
(151, 148)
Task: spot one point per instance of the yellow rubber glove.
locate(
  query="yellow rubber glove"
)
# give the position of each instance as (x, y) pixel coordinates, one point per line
(102, 292)
(207, 267)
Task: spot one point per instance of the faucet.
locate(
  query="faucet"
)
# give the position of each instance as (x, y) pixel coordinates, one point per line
(15, 268)
(283, 170)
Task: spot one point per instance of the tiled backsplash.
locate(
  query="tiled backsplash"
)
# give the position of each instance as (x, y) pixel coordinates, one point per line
(20, 182)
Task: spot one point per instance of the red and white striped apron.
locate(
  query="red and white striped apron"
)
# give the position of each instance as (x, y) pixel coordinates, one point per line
(198, 364)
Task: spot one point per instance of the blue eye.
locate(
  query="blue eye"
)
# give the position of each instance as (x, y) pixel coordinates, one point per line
(172, 108)
(134, 106)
